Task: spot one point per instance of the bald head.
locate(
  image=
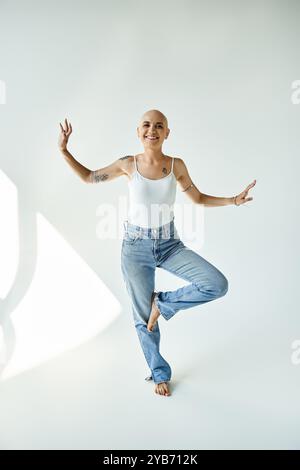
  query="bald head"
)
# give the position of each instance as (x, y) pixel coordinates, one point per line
(153, 119)
(154, 115)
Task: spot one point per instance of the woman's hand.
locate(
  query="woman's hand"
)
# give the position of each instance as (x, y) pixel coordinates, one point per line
(64, 135)
(241, 198)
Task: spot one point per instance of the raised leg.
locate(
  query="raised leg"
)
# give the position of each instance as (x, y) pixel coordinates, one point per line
(207, 283)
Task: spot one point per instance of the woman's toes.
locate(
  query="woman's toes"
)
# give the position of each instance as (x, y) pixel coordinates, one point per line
(162, 389)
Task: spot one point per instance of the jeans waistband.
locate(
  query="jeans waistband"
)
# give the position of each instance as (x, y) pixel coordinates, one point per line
(164, 231)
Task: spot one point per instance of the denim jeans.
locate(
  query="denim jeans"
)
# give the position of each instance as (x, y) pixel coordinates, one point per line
(143, 250)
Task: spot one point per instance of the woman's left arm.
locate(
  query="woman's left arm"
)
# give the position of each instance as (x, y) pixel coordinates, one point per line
(185, 182)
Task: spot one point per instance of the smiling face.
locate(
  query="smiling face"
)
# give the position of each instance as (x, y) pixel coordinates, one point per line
(153, 129)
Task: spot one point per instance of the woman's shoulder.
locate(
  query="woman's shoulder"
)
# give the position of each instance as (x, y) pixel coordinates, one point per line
(129, 167)
(178, 166)
(127, 164)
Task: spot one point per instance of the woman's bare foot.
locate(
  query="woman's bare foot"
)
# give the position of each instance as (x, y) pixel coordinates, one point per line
(154, 314)
(162, 389)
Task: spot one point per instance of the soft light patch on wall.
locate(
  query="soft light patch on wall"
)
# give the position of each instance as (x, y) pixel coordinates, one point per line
(2, 92)
(66, 304)
(9, 236)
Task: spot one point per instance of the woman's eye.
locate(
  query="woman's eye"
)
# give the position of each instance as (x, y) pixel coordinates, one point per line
(148, 125)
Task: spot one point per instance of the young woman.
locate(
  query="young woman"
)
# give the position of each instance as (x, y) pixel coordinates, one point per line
(151, 239)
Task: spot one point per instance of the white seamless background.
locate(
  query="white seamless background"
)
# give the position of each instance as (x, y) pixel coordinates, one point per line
(222, 73)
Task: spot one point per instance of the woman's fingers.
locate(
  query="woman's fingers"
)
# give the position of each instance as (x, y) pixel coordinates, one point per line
(245, 192)
(62, 127)
(250, 185)
(67, 128)
(243, 201)
(63, 131)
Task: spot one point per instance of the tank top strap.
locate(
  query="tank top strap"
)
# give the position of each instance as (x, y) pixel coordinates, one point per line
(172, 165)
(135, 163)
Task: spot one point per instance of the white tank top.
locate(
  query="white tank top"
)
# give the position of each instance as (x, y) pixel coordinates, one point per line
(151, 201)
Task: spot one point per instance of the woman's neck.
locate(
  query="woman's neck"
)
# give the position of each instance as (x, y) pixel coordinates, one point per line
(152, 156)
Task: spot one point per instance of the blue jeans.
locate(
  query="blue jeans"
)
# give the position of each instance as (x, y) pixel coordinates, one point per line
(143, 250)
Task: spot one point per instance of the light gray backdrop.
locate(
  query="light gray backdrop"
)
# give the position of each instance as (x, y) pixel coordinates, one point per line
(222, 71)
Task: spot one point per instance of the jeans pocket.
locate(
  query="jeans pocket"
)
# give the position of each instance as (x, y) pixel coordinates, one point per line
(130, 238)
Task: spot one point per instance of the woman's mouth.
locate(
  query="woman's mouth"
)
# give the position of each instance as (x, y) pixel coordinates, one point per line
(151, 138)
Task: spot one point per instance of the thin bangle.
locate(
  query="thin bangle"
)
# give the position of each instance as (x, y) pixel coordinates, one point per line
(234, 200)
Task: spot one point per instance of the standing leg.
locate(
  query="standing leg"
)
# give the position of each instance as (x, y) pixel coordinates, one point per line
(138, 269)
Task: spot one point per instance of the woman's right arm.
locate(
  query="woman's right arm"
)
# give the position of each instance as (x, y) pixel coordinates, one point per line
(110, 172)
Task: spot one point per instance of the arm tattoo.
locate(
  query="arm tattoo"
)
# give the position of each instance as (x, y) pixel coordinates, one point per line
(126, 156)
(96, 176)
(190, 186)
(100, 177)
